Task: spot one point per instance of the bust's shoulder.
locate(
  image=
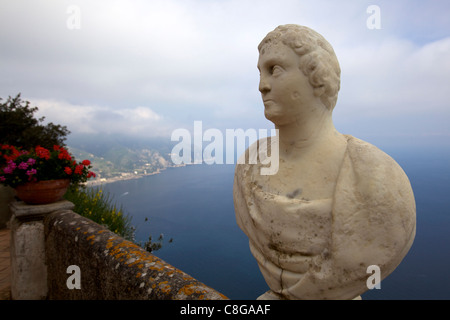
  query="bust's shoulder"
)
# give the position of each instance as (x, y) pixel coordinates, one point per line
(363, 153)
(256, 154)
(375, 170)
(360, 145)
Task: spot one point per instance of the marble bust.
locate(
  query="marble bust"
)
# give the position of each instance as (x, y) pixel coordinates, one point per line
(337, 204)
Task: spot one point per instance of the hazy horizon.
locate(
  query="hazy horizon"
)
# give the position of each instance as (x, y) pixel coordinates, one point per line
(146, 68)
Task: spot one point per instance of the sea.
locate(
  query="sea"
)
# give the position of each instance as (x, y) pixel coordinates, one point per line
(192, 207)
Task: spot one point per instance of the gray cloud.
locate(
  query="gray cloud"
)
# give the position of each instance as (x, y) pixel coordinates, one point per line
(157, 65)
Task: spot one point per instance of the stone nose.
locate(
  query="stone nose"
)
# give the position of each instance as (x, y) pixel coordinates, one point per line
(264, 85)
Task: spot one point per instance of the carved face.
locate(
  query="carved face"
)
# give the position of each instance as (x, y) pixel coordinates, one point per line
(286, 92)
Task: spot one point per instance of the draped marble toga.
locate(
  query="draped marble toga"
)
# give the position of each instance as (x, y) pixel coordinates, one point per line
(321, 248)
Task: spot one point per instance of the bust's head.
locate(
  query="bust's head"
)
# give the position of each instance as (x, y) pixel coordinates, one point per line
(317, 59)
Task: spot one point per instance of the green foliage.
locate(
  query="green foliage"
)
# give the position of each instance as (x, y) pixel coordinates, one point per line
(96, 205)
(18, 126)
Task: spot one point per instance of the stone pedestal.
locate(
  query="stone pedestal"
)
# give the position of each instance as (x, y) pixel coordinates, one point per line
(28, 267)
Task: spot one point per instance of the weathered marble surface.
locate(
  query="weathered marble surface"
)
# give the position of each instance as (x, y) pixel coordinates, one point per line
(337, 204)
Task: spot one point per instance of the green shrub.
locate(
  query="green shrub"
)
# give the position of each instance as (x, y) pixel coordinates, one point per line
(97, 205)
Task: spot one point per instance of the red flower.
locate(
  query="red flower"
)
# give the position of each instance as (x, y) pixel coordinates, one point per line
(91, 174)
(42, 152)
(64, 155)
(12, 154)
(68, 170)
(86, 162)
(79, 169)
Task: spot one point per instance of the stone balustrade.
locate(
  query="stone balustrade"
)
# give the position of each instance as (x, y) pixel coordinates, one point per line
(58, 254)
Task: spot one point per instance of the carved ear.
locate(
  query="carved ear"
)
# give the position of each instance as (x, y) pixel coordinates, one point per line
(319, 91)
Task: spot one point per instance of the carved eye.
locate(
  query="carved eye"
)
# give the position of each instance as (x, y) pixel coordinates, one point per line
(275, 70)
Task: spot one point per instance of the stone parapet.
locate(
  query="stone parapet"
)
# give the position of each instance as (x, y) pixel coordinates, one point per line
(109, 266)
(58, 254)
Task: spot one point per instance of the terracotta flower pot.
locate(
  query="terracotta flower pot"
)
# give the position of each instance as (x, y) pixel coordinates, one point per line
(42, 192)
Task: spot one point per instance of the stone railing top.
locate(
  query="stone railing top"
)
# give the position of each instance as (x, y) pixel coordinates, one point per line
(138, 273)
(23, 211)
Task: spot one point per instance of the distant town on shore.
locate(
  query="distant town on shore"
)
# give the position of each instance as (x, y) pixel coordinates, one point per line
(116, 159)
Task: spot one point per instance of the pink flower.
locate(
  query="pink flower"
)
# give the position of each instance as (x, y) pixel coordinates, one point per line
(31, 161)
(23, 166)
(31, 172)
(8, 170)
(11, 164)
(10, 167)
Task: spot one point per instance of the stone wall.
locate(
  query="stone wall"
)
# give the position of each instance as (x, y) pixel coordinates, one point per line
(84, 260)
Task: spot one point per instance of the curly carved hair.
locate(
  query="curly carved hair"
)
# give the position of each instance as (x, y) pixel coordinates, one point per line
(318, 59)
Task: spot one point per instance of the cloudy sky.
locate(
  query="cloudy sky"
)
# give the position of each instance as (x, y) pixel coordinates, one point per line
(145, 68)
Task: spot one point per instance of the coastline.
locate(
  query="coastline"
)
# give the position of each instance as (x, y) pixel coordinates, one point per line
(127, 176)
